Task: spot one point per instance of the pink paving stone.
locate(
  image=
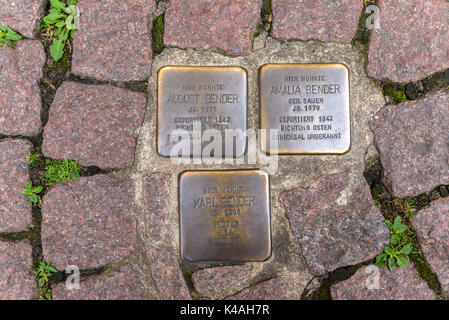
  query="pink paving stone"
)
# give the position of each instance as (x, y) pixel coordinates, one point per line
(156, 193)
(412, 42)
(400, 284)
(15, 210)
(167, 274)
(20, 97)
(116, 285)
(335, 235)
(113, 41)
(88, 222)
(17, 281)
(210, 282)
(226, 25)
(22, 15)
(274, 289)
(432, 226)
(325, 20)
(94, 125)
(413, 142)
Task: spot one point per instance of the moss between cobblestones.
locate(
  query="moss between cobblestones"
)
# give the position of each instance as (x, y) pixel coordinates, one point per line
(411, 91)
(426, 273)
(396, 92)
(362, 35)
(137, 86)
(15, 236)
(158, 34)
(444, 191)
(187, 272)
(266, 16)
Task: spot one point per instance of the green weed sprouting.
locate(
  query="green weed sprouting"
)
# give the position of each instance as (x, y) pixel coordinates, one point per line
(59, 24)
(8, 36)
(60, 171)
(397, 253)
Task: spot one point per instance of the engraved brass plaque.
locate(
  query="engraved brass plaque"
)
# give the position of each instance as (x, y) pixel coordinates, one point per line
(214, 97)
(308, 105)
(225, 216)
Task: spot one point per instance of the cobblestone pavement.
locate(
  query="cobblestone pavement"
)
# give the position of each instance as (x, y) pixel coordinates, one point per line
(119, 222)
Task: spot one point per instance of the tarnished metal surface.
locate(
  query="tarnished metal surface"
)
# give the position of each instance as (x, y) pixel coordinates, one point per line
(309, 106)
(214, 96)
(225, 216)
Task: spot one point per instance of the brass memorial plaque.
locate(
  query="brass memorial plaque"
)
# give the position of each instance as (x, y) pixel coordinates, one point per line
(225, 216)
(308, 105)
(213, 97)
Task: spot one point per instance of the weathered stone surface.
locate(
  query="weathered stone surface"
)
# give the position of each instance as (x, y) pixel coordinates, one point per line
(17, 281)
(15, 211)
(412, 41)
(113, 41)
(400, 284)
(211, 282)
(20, 98)
(212, 24)
(274, 289)
(291, 171)
(87, 222)
(167, 274)
(414, 145)
(117, 285)
(22, 15)
(156, 193)
(331, 231)
(432, 226)
(328, 20)
(94, 125)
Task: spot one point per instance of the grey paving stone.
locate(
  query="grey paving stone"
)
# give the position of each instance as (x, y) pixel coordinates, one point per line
(274, 289)
(23, 15)
(432, 226)
(94, 125)
(167, 274)
(20, 97)
(335, 232)
(15, 210)
(372, 283)
(211, 282)
(212, 24)
(413, 144)
(17, 281)
(325, 20)
(123, 284)
(113, 40)
(412, 41)
(156, 192)
(88, 222)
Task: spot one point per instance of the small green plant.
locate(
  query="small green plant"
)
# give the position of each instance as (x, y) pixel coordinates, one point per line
(60, 171)
(34, 159)
(42, 273)
(32, 193)
(7, 36)
(397, 253)
(59, 24)
(411, 206)
(158, 32)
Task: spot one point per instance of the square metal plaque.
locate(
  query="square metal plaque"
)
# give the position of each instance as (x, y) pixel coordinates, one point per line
(214, 97)
(225, 216)
(308, 105)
